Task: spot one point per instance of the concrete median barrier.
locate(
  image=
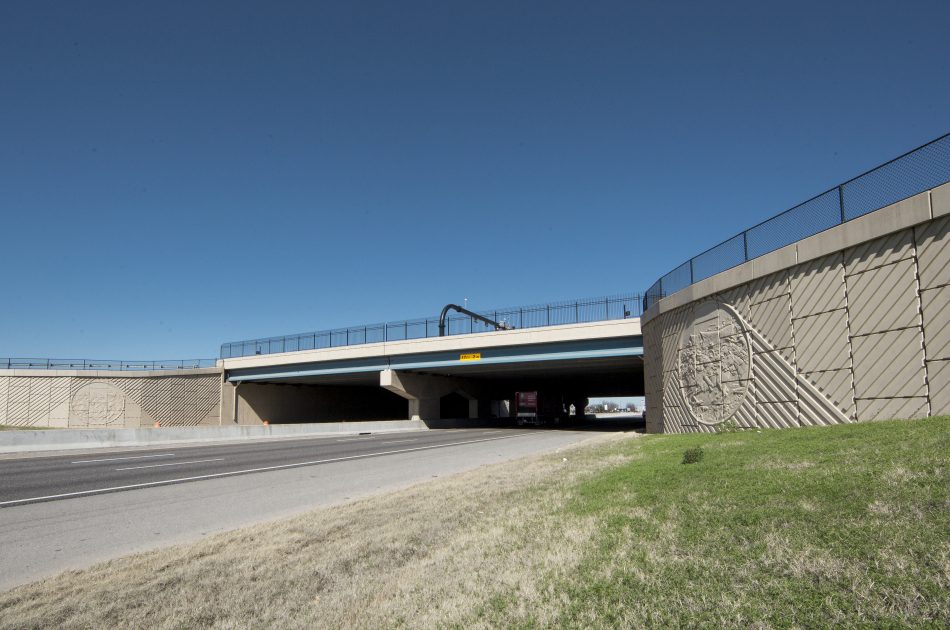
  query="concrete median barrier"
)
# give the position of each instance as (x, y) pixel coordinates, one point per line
(65, 439)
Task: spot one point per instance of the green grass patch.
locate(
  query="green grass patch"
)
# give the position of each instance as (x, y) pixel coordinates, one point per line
(794, 528)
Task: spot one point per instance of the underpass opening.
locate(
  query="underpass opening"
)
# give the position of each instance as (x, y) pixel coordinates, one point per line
(293, 402)
(564, 388)
(453, 406)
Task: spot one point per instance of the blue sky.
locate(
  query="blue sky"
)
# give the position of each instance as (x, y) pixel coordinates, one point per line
(174, 175)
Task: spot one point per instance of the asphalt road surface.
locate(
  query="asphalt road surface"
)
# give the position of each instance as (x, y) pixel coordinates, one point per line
(56, 478)
(69, 511)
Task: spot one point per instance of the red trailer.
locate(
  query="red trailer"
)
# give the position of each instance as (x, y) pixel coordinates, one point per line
(539, 408)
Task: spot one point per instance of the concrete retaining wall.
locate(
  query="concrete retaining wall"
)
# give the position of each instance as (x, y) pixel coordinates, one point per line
(80, 398)
(23, 441)
(851, 324)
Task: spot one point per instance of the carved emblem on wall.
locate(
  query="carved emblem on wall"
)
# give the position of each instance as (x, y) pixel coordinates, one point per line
(714, 363)
(98, 403)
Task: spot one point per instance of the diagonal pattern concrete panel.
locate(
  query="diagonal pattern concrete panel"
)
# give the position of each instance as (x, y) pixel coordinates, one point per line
(768, 287)
(822, 341)
(778, 415)
(878, 252)
(39, 401)
(774, 379)
(813, 407)
(933, 253)
(18, 402)
(836, 386)
(59, 402)
(818, 286)
(891, 408)
(772, 318)
(935, 304)
(884, 298)
(938, 375)
(4, 386)
(889, 364)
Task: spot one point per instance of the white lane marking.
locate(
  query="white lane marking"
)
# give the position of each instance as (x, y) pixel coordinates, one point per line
(359, 439)
(253, 470)
(490, 432)
(396, 441)
(195, 461)
(116, 459)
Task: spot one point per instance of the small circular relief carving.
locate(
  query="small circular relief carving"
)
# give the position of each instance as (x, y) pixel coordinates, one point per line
(98, 403)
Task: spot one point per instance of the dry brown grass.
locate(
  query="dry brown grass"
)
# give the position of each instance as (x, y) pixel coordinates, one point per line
(432, 555)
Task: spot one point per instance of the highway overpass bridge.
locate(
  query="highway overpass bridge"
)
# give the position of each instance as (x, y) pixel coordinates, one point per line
(457, 376)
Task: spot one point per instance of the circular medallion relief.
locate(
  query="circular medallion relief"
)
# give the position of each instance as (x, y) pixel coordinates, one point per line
(714, 363)
(98, 403)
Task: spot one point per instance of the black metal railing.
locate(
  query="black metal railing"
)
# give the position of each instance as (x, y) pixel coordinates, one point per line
(103, 364)
(577, 311)
(923, 168)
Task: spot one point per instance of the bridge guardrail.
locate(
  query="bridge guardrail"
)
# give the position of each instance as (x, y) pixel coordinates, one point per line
(102, 364)
(923, 168)
(577, 311)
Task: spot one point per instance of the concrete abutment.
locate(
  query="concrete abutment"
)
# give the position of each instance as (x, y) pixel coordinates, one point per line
(848, 325)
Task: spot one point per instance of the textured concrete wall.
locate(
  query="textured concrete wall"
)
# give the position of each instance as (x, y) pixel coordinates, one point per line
(849, 325)
(77, 399)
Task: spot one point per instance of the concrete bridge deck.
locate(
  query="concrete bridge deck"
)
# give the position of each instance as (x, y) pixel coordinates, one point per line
(600, 358)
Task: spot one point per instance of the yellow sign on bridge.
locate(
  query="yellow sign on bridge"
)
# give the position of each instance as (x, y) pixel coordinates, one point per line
(474, 356)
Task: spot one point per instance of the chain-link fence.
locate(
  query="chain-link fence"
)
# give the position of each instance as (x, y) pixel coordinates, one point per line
(916, 171)
(577, 311)
(103, 364)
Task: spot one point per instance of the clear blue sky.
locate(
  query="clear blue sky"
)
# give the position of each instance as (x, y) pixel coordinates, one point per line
(177, 174)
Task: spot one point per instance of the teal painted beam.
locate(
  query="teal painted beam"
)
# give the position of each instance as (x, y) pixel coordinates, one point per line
(575, 350)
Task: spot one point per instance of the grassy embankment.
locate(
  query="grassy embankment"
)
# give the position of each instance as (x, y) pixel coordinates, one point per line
(15, 427)
(843, 525)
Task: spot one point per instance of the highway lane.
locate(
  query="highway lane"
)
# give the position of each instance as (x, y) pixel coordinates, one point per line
(41, 538)
(29, 480)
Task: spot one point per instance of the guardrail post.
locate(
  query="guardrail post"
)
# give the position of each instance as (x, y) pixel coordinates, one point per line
(841, 202)
(691, 271)
(745, 245)
(547, 308)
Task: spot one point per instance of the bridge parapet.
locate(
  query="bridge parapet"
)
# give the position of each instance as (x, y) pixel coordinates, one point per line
(580, 311)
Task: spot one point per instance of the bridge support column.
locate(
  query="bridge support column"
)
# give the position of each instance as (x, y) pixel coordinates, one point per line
(424, 409)
(423, 391)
